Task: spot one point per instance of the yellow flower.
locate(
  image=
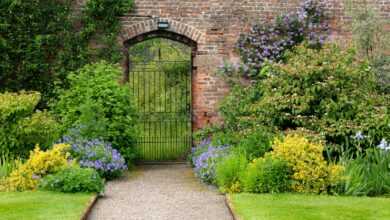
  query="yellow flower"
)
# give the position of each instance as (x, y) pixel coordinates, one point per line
(311, 173)
(39, 164)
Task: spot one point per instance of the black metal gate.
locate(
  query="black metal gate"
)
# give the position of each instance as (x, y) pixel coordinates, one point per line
(163, 100)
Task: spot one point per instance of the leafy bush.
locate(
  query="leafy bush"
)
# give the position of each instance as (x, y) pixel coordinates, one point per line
(99, 107)
(73, 179)
(267, 175)
(269, 41)
(22, 128)
(368, 175)
(205, 158)
(311, 173)
(40, 43)
(26, 176)
(255, 145)
(228, 172)
(98, 155)
(327, 91)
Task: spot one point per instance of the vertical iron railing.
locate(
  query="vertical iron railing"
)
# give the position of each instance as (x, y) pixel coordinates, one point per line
(163, 100)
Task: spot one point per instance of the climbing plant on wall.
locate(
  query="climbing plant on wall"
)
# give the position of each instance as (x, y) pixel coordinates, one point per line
(42, 40)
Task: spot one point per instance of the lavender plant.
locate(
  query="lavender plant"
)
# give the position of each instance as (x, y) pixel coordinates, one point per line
(98, 155)
(205, 157)
(268, 41)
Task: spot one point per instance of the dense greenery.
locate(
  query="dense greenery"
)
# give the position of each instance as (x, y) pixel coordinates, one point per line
(323, 110)
(228, 172)
(73, 179)
(21, 127)
(43, 205)
(43, 40)
(295, 164)
(367, 175)
(328, 91)
(96, 106)
(308, 207)
(267, 175)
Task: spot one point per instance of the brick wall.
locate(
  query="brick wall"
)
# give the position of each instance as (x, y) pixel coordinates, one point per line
(215, 26)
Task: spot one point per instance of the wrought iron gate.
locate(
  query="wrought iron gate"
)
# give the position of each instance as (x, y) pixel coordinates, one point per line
(163, 100)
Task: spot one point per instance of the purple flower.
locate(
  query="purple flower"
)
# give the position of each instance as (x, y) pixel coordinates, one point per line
(97, 154)
(205, 157)
(269, 41)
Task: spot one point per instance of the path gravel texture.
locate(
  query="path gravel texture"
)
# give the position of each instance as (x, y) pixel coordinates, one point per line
(160, 192)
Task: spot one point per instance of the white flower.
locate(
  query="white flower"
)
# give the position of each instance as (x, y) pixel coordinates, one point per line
(359, 136)
(384, 145)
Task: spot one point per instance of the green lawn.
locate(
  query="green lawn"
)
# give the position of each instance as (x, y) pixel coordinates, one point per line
(42, 205)
(309, 207)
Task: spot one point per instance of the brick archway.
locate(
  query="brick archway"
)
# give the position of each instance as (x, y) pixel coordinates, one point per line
(144, 28)
(203, 64)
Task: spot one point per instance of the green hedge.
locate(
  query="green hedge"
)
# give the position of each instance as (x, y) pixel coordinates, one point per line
(41, 41)
(21, 127)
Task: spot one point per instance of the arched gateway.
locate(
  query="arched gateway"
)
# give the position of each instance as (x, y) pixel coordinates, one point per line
(168, 128)
(206, 89)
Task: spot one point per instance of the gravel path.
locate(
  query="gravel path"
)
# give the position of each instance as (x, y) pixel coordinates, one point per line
(160, 192)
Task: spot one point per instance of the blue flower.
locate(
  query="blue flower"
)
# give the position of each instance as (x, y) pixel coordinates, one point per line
(97, 154)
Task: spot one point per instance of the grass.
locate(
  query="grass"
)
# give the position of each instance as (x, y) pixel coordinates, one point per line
(309, 207)
(42, 205)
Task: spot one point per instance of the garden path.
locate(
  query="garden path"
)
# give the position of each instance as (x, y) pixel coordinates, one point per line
(159, 192)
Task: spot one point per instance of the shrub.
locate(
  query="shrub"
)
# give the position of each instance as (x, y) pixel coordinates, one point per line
(26, 176)
(267, 175)
(327, 91)
(205, 157)
(228, 171)
(98, 155)
(73, 179)
(40, 128)
(95, 98)
(21, 128)
(310, 171)
(255, 145)
(268, 41)
(368, 175)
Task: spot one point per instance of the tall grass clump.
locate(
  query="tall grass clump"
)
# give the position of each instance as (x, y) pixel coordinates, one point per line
(368, 175)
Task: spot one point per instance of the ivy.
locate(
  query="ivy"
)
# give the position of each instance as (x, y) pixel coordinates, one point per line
(41, 41)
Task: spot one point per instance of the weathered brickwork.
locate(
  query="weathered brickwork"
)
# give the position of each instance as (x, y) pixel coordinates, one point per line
(215, 26)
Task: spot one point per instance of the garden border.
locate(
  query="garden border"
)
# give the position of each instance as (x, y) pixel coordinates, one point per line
(231, 208)
(88, 210)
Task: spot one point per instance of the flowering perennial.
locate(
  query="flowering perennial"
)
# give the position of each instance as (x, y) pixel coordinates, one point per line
(268, 42)
(205, 158)
(98, 155)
